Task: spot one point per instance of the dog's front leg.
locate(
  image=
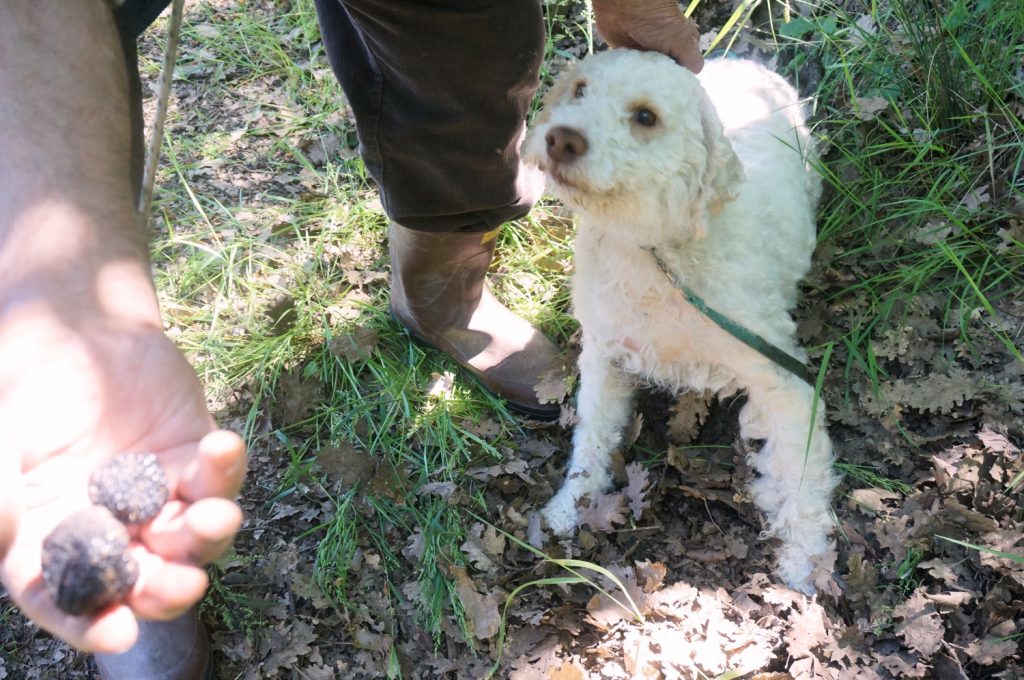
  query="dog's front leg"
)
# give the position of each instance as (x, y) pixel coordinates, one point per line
(603, 407)
(795, 466)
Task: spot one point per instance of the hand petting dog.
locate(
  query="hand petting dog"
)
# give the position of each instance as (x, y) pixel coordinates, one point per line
(656, 25)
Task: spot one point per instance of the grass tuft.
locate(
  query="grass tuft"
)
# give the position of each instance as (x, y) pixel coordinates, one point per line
(914, 114)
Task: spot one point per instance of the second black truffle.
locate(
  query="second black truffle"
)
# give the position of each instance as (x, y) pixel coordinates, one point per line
(86, 565)
(133, 486)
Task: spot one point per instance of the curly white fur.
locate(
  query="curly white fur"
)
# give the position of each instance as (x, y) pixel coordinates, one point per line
(719, 184)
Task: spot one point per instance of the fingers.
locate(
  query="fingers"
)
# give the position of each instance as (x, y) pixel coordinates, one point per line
(654, 25)
(196, 533)
(191, 530)
(218, 470)
(685, 47)
(165, 590)
(10, 499)
(111, 632)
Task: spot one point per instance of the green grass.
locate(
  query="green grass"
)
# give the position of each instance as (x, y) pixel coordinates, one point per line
(1013, 557)
(870, 477)
(601, 580)
(284, 224)
(907, 578)
(7, 611)
(918, 191)
(233, 608)
(221, 261)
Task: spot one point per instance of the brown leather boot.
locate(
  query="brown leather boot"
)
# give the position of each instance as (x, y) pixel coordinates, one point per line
(165, 650)
(440, 294)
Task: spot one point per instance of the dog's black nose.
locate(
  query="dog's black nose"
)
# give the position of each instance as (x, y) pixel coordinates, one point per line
(565, 144)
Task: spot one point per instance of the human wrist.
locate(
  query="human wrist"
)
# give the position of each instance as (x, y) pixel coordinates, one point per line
(70, 235)
(76, 264)
(117, 296)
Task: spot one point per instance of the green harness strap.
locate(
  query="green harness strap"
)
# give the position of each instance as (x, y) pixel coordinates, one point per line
(747, 337)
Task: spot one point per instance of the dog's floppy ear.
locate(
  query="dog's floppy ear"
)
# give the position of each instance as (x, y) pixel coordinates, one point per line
(723, 172)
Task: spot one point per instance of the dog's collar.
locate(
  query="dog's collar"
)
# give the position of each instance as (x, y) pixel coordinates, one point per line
(744, 335)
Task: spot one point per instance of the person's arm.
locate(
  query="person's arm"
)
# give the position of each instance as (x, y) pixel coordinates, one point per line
(86, 372)
(68, 226)
(654, 25)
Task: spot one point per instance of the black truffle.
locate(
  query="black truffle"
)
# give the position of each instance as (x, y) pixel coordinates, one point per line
(133, 486)
(86, 565)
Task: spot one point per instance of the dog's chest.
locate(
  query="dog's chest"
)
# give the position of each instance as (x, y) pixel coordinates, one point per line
(630, 311)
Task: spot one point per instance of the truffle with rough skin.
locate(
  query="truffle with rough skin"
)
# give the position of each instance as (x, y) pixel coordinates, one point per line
(86, 564)
(133, 486)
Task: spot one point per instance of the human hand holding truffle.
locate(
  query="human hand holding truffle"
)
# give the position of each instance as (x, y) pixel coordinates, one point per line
(86, 563)
(80, 394)
(86, 372)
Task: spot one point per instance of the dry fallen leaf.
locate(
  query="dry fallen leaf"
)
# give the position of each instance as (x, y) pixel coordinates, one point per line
(282, 314)
(861, 578)
(873, 501)
(922, 628)
(807, 630)
(297, 396)
(446, 490)
(554, 385)
(539, 661)
(390, 482)
(297, 638)
(653, 575)
(636, 489)
(483, 546)
(934, 393)
(569, 670)
(486, 428)
(823, 574)
(481, 610)
(992, 649)
(356, 346)
(868, 108)
(608, 607)
(940, 570)
(347, 463)
(688, 413)
(603, 511)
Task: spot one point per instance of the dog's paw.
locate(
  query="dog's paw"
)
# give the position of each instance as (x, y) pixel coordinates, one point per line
(560, 514)
(795, 570)
(802, 586)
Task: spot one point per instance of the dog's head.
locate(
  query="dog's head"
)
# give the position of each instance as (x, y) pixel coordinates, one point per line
(632, 136)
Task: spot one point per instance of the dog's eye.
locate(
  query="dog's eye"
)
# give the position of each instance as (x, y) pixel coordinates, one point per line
(645, 117)
(581, 89)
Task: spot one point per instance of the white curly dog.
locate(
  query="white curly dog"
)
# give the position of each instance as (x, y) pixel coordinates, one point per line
(711, 173)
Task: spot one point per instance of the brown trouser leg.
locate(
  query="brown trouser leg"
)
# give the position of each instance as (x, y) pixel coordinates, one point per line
(440, 91)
